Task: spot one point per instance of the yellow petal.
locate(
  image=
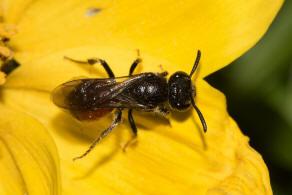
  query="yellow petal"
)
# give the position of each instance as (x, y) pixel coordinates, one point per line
(29, 161)
(2, 78)
(171, 30)
(167, 160)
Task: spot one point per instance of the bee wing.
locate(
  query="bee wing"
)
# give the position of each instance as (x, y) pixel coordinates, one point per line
(61, 93)
(123, 101)
(106, 93)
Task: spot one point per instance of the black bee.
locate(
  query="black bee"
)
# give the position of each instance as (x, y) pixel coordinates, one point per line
(90, 99)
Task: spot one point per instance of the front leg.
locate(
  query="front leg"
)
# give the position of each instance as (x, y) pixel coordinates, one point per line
(162, 74)
(162, 111)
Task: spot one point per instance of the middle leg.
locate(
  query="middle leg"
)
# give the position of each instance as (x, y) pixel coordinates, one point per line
(134, 130)
(135, 63)
(130, 116)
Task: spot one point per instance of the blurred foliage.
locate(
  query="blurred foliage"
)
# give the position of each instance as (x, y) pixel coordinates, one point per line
(258, 87)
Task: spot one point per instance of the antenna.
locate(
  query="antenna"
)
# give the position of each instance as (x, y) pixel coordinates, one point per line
(200, 115)
(192, 98)
(196, 63)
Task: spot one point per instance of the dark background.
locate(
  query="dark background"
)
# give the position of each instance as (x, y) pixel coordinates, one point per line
(258, 87)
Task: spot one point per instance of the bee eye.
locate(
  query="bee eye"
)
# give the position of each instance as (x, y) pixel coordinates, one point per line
(180, 91)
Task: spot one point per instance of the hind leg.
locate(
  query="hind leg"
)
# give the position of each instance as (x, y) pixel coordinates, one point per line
(103, 134)
(93, 61)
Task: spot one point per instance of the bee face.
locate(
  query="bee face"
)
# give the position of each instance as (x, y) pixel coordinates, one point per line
(180, 91)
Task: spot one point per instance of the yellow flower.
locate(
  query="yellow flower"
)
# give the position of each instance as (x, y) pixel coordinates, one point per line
(38, 140)
(6, 32)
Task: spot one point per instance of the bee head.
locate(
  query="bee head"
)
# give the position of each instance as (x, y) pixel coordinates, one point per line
(180, 91)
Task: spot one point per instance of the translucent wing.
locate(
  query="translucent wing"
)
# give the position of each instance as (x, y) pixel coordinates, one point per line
(92, 94)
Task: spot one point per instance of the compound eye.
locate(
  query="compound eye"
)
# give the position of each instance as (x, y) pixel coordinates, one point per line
(180, 91)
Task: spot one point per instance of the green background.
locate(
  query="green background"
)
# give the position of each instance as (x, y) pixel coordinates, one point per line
(258, 87)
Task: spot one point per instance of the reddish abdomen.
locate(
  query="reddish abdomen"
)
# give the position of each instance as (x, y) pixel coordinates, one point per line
(90, 115)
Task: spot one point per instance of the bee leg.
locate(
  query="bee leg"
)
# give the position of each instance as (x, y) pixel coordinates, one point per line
(92, 61)
(135, 63)
(130, 116)
(161, 68)
(104, 133)
(162, 74)
(134, 129)
(161, 110)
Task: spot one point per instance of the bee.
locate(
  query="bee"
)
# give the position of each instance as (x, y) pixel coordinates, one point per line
(93, 98)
